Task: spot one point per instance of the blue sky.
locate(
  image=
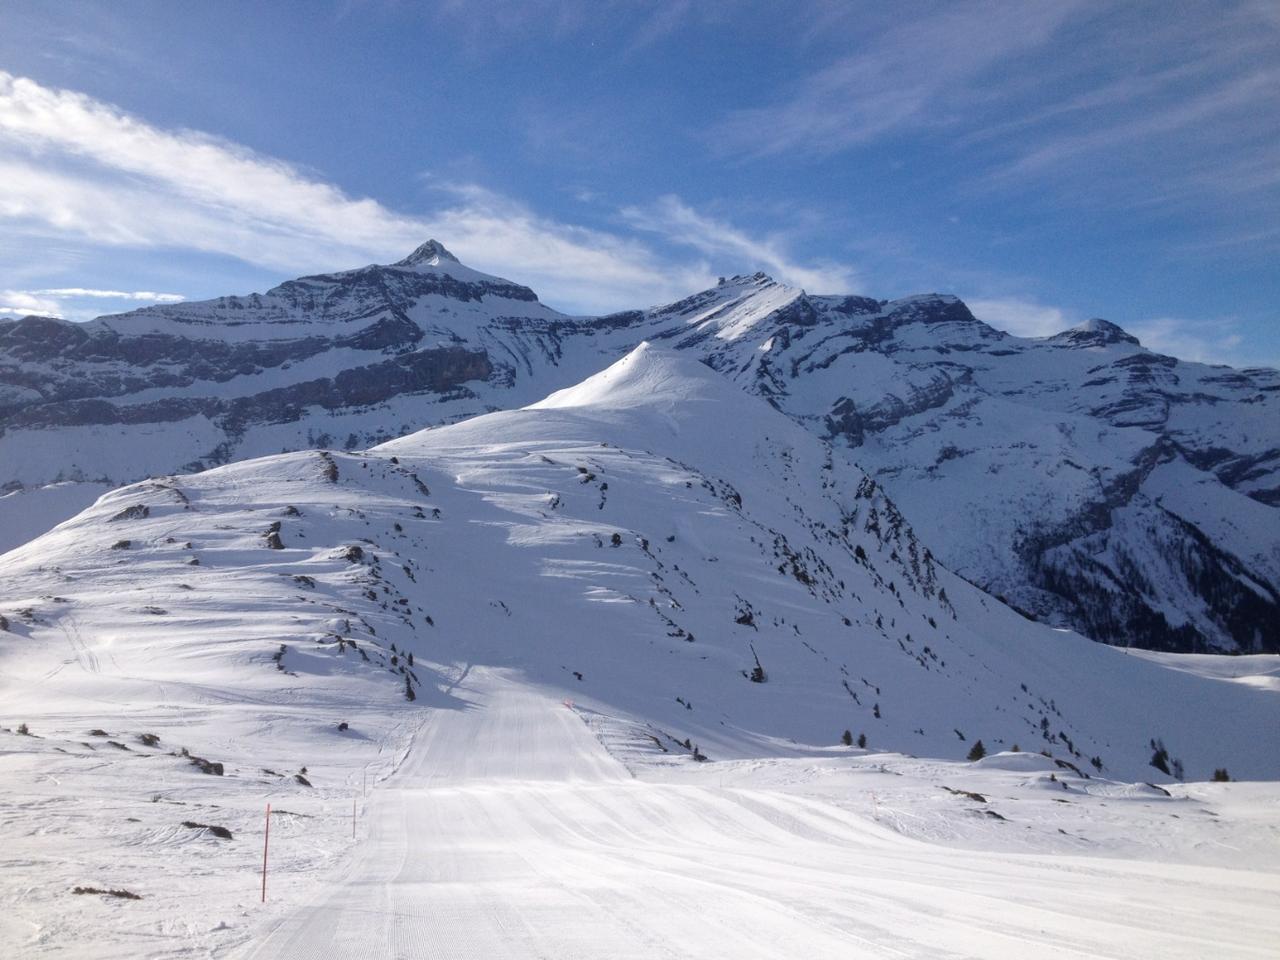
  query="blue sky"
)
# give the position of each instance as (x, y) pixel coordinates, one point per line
(1048, 162)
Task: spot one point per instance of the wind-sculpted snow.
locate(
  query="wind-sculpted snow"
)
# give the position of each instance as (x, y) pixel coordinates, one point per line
(1027, 465)
(600, 652)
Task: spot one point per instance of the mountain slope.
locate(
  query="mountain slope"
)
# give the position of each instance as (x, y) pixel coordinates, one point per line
(1084, 479)
(584, 598)
(652, 530)
(1087, 481)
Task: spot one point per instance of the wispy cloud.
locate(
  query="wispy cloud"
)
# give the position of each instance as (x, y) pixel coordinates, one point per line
(907, 75)
(679, 223)
(1237, 94)
(63, 301)
(1212, 341)
(72, 166)
(1022, 318)
(143, 295)
(1054, 105)
(20, 303)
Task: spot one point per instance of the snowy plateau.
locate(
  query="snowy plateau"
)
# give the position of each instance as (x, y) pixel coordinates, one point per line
(590, 637)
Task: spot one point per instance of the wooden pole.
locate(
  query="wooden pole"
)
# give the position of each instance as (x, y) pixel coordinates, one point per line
(266, 838)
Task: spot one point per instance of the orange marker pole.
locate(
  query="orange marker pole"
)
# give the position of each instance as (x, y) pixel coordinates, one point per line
(266, 838)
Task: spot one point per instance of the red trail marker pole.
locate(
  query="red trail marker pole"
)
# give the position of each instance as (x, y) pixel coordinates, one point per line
(266, 838)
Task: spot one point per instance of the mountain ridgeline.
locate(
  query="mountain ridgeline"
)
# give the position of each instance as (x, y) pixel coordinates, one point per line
(1085, 480)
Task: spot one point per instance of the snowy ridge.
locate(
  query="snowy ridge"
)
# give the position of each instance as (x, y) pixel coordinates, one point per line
(1039, 469)
(649, 520)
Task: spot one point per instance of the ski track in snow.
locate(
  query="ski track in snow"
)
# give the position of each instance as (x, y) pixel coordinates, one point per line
(510, 832)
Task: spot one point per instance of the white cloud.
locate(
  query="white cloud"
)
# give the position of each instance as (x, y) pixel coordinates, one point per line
(142, 295)
(679, 223)
(899, 78)
(1022, 318)
(60, 301)
(72, 166)
(20, 303)
(1204, 341)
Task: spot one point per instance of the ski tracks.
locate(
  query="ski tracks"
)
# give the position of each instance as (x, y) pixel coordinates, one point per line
(510, 833)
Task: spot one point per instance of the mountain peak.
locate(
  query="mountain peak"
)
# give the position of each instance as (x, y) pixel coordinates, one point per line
(647, 375)
(430, 254)
(1095, 332)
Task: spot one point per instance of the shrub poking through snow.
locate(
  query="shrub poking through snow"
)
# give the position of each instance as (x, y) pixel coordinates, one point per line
(211, 767)
(120, 894)
(24, 730)
(139, 511)
(220, 832)
(148, 739)
(1160, 757)
(1220, 775)
(977, 751)
(757, 672)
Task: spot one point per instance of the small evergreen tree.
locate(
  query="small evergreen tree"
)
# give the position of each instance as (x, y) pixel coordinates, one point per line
(862, 740)
(847, 738)
(978, 751)
(1220, 775)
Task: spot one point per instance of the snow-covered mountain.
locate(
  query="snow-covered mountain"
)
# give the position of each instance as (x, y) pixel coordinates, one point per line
(651, 540)
(1087, 481)
(527, 629)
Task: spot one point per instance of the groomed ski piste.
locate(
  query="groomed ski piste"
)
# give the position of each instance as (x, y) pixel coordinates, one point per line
(572, 681)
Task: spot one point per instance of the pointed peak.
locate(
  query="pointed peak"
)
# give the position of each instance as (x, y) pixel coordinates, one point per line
(430, 254)
(757, 279)
(1095, 332)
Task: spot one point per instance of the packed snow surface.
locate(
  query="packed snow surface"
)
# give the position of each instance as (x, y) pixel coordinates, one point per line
(510, 832)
